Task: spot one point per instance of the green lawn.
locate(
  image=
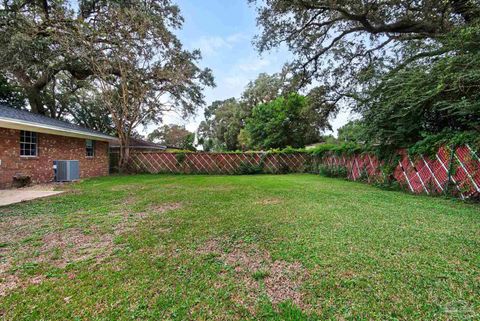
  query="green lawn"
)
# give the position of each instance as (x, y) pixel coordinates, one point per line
(239, 247)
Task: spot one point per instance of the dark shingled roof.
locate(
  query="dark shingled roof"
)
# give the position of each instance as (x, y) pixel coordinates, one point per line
(140, 143)
(26, 116)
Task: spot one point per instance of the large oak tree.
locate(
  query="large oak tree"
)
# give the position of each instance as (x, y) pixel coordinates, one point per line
(126, 49)
(347, 44)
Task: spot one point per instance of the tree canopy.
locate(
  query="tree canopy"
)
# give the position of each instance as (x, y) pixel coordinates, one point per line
(223, 122)
(47, 48)
(285, 121)
(225, 125)
(420, 100)
(11, 95)
(352, 132)
(409, 68)
(345, 38)
(123, 54)
(173, 136)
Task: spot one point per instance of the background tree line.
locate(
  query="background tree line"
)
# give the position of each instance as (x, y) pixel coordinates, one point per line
(269, 114)
(173, 136)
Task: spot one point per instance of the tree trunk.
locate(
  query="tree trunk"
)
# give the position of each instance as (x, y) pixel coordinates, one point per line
(35, 100)
(124, 153)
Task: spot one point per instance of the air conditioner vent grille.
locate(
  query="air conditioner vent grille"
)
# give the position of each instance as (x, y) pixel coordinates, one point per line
(66, 170)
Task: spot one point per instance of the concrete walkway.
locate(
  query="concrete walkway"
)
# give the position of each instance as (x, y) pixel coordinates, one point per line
(12, 196)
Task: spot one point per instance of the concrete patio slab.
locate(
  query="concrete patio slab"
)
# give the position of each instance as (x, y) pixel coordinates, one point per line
(12, 196)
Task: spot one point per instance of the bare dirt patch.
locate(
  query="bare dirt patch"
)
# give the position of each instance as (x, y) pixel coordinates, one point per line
(210, 247)
(17, 228)
(127, 187)
(162, 208)
(216, 188)
(47, 186)
(131, 199)
(74, 245)
(280, 280)
(269, 201)
(7, 283)
(58, 248)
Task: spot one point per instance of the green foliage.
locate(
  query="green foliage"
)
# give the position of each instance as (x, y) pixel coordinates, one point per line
(423, 100)
(11, 95)
(350, 45)
(189, 142)
(262, 90)
(177, 151)
(246, 168)
(173, 136)
(430, 144)
(322, 149)
(333, 171)
(329, 139)
(353, 131)
(244, 139)
(225, 124)
(280, 123)
(221, 128)
(180, 157)
(290, 150)
(346, 148)
(260, 275)
(410, 71)
(87, 109)
(62, 53)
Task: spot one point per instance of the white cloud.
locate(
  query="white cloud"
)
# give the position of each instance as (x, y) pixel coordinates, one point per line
(234, 84)
(254, 64)
(237, 37)
(211, 45)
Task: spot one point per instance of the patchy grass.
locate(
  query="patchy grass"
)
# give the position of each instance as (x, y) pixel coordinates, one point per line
(240, 247)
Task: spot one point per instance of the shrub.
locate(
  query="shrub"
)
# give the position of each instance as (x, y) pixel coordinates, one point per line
(333, 171)
(246, 168)
(180, 157)
(283, 169)
(346, 148)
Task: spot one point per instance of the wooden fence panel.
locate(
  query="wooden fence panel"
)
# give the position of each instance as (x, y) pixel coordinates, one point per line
(214, 163)
(457, 173)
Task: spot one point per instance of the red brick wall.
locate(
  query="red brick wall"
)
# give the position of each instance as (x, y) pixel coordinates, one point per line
(50, 148)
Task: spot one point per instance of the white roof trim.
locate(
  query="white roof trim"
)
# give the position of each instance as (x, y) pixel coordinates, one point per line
(48, 129)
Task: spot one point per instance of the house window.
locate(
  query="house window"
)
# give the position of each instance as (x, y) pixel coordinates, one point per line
(90, 147)
(28, 144)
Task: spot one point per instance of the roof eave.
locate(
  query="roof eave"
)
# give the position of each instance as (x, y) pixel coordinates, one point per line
(141, 147)
(53, 130)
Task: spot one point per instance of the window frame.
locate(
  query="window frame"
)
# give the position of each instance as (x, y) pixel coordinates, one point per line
(32, 141)
(89, 148)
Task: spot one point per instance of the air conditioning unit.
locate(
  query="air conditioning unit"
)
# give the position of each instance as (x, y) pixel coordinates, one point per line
(66, 170)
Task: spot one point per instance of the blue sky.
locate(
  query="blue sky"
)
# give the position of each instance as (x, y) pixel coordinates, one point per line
(223, 30)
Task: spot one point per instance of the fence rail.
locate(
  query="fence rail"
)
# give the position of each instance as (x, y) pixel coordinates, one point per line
(215, 163)
(451, 171)
(454, 172)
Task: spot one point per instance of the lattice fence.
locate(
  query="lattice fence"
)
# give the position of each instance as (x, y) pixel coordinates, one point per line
(455, 173)
(216, 163)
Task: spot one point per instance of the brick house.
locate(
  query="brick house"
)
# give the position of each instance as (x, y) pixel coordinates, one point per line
(30, 143)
